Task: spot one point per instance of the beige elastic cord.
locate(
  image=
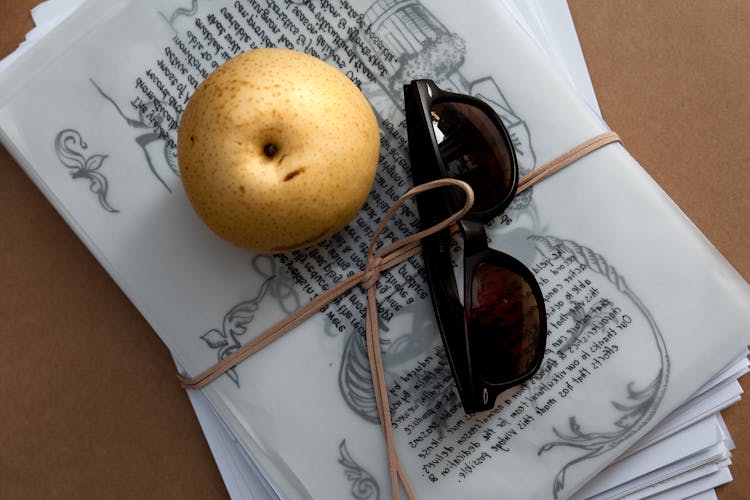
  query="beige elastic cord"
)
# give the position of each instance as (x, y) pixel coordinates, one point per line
(378, 261)
(565, 159)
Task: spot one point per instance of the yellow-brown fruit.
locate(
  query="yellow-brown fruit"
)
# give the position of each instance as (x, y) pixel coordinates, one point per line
(277, 150)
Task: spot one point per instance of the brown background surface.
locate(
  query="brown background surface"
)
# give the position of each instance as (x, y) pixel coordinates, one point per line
(89, 405)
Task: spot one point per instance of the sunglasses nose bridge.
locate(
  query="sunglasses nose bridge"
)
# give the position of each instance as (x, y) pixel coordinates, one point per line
(474, 235)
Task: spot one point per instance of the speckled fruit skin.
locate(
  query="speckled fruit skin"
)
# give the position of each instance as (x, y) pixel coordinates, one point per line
(277, 150)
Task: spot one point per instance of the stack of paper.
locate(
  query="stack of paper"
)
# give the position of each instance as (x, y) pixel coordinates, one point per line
(296, 420)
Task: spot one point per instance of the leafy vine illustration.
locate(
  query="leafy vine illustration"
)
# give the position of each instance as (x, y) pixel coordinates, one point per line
(179, 12)
(638, 405)
(237, 320)
(355, 379)
(364, 485)
(235, 323)
(69, 147)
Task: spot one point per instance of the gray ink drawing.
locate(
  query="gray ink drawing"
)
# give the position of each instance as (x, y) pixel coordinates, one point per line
(364, 485)
(180, 12)
(70, 148)
(355, 380)
(237, 320)
(425, 48)
(636, 406)
(235, 323)
(145, 139)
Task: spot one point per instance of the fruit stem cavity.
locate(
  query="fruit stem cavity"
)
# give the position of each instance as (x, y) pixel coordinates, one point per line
(270, 150)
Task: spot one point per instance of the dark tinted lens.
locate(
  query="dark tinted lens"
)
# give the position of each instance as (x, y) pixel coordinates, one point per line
(504, 324)
(474, 150)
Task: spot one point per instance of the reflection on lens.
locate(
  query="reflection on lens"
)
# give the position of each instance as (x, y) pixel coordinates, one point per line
(504, 324)
(474, 150)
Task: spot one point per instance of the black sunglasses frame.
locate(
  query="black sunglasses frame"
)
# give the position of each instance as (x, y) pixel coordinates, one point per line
(427, 93)
(476, 393)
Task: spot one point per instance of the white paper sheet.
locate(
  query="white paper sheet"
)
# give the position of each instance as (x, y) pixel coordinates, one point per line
(697, 445)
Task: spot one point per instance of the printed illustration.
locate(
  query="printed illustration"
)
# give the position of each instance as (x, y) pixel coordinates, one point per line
(423, 47)
(237, 321)
(149, 115)
(364, 486)
(635, 404)
(70, 148)
(355, 381)
(179, 12)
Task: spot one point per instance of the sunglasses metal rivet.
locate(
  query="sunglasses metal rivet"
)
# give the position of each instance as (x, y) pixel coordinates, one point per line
(495, 337)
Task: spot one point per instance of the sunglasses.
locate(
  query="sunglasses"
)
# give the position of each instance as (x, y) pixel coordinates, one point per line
(495, 338)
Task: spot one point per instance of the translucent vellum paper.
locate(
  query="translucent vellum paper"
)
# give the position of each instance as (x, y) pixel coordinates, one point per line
(632, 288)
